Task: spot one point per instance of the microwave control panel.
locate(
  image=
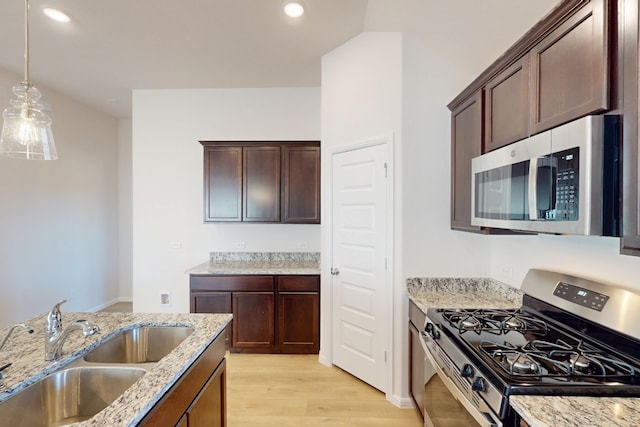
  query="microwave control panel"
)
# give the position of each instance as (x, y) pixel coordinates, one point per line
(566, 186)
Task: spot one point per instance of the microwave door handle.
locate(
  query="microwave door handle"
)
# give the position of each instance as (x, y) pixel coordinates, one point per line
(533, 189)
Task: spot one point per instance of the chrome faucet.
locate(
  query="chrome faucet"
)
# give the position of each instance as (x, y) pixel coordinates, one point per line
(17, 325)
(55, 334)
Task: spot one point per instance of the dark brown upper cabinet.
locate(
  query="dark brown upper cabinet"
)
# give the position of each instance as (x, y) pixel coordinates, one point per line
(301, 177)
(570, 69)
(261, 184)
(506, 101)
(466, 141)
(266, 182)
(223, 184)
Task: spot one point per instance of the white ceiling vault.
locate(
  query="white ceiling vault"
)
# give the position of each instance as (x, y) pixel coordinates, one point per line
(112, 47)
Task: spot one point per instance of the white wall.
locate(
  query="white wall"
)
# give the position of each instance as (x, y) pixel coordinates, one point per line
(168, 176)
(58, 219)
(125, 211)
(362, 101)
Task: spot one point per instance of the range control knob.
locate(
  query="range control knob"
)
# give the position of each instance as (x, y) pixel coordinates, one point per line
(430, 328)
(478, 384)
(466, 371)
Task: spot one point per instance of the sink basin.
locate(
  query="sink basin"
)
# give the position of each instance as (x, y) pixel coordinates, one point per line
(144, 344)
(67, 396)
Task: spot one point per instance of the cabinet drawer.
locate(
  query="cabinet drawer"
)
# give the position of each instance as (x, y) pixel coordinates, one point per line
(299, 284)
(232, 283)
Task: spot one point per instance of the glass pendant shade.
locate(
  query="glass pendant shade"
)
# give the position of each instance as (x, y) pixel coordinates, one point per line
(26, 132)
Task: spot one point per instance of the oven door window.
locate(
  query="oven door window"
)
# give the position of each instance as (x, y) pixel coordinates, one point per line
(441, 409)
(503, 192)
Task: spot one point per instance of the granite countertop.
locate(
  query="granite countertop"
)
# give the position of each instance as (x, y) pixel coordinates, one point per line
(537, 411)
(26, 354)
(253, 263)
(462, 293)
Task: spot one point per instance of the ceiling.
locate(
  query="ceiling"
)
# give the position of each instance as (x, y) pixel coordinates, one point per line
(112, 47)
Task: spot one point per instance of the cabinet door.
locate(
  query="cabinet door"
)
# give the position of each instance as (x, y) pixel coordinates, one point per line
(298, 314)
(209, 409)
(466, 143)
(416, 369)
(301, 184)
(298, 322)
(253, 320)
(261, 184)
(223, 184)
(570, 69)
(506, 109)
(213, 302)
(630, 240)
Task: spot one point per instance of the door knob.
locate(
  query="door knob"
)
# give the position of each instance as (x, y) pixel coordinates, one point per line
(335, 271)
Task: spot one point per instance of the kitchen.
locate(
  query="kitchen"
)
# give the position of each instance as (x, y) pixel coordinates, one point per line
(111, 192)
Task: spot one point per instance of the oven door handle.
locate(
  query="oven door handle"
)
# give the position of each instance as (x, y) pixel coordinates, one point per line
(483, 418)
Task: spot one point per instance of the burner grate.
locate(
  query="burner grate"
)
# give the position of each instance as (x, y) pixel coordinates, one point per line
(559, 359)
(496, 322)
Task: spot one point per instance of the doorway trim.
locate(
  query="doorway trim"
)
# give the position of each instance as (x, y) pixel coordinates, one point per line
(326, 300)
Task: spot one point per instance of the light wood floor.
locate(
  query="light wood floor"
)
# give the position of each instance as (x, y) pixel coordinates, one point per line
(121, 307)
(296, 390)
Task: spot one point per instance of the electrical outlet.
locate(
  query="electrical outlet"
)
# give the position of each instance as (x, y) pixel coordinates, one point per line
(240, 245)
(165, 298)
(175, 245)
(303, 245)
(506, 271)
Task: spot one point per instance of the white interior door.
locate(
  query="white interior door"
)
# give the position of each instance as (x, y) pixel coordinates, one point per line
(359, 248)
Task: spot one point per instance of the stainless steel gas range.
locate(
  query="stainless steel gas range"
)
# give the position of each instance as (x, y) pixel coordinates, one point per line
(572, 336)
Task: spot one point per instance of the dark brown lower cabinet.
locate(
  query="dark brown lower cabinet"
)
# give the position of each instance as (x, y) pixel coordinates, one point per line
(198, 398)
(271, 314)
(253, 320)
(298, 314)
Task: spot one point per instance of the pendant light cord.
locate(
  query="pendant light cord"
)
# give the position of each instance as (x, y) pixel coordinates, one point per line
(26, 41)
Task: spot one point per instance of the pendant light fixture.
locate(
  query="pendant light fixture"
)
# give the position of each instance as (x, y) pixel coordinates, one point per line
(26, 132)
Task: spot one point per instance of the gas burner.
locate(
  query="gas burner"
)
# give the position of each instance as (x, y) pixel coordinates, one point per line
(470, 323)
(513, 323)
(517, 362)
(579, 362)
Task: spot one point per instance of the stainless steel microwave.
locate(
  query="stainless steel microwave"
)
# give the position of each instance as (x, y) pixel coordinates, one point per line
(562, 181)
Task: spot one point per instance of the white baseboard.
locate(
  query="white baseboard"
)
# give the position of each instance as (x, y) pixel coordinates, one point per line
(401, 402)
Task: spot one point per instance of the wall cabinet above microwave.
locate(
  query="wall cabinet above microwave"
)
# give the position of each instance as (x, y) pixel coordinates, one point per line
(557, 72)
(561, 77)
(265, 182)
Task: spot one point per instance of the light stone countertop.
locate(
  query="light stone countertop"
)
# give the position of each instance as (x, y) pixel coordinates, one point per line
(255, 268)
(26, 354)
(255, 263)
(537, 411)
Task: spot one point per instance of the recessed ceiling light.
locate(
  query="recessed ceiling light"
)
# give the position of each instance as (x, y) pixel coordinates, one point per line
(293, 9)
(56, 15)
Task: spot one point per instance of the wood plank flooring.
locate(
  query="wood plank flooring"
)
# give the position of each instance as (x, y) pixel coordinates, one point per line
(296, 390)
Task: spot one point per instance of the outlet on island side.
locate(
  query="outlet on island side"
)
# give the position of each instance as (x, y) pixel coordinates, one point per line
(165, 298)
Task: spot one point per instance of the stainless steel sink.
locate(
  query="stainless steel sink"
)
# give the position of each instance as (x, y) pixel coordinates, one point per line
(67, 396)
(144, 344)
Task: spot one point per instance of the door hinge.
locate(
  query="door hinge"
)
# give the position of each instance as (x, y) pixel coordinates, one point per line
(385, 263)
(385, 169)
(385, 357)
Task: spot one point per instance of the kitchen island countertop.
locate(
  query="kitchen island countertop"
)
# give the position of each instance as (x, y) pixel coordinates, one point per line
(537, 411)
(25, 352)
